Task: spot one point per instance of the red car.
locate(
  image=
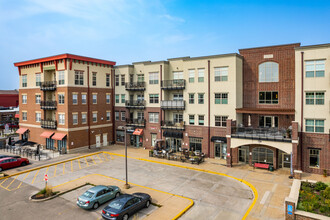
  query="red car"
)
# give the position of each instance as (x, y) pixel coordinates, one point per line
(10, 162)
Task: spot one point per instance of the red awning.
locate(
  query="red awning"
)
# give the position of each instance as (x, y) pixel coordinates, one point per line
(58, 136)
(16, 115)
(22, 130)
(46, 134)
(138, 131)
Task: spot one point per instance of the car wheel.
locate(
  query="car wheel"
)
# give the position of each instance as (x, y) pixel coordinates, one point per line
(23, 164)
(117, 195)
(1, 169)
(148, 204)
(125, 217)
(96, 205)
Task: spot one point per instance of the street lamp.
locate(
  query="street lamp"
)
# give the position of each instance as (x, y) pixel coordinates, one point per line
(127, 186)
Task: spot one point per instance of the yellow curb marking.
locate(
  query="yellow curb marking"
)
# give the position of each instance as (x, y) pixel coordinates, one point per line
(11, 182)
(35, 176)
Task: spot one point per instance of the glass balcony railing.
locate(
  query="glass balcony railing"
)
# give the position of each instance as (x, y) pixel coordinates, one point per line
(175, 125)
(174, 84)
(173, 104)
(262, 133)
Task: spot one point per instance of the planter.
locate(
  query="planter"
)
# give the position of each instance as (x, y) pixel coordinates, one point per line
(151, 153)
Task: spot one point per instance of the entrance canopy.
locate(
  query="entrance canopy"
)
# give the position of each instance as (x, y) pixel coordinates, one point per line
(219, 139)
(138, 131)
(22, 130)
(46, 134)
(173, 134)
(16, 115)
(58, 136)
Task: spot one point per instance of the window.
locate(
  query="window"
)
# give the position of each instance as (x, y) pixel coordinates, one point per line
(177, 75)
(79, 77)
(221, 98)
(38, 79)
(200, 75)
(75, 118)
(94, 116)
(221, 121)
(38, 116)
(200, 119)
(120, 136)
(123, 116)
(24, 116)
(94, 79)
(117, 116)
(140, 77)
(117, 98)
(195, 144)
(38, 98)
(61, 118)
(94, 98)
(60, 98)
(268, 121)
(107, 80)
(268, 72)
(61, 80)
(191, 76)
(315, 68)
(314, 98)
(268, 97)
(140, 115)
(314, 125)
(221, 74)
(107, 97)
(200, 98)
(177, 117)
(83, 117)
(191, 119)
(177, 97)
(153, 78)
(24, 99)
(123, 98)
(75, 99)
(191, 98)
(108, 115)
(140, 97)
(153, 98)
(122, 80)
(117, 80)
(262, 155)
(153, 117)
(24, 80)
(83, 98)
(314, 158)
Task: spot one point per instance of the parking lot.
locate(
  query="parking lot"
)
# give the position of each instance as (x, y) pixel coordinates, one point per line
(214, 196)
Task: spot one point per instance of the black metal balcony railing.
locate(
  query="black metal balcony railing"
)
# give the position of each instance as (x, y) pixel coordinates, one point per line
(178, 105)
(173, 84)
(136, 122)
(48, 105)
(173, 125)
(48, 85)
(135, 86)
(49, 124)
(140, 104)
(268, 134)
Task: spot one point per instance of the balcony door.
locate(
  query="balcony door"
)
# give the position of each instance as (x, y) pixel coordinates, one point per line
(268, 121)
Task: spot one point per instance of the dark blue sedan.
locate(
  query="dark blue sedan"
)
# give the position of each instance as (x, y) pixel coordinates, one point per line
(125, 206)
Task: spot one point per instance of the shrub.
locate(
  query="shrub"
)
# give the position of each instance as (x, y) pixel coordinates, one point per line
(326, 193)
(320, 186)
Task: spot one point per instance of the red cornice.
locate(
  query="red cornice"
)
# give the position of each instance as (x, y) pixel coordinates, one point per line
(278, 111)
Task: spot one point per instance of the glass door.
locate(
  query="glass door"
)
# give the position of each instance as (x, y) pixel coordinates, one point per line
(286, 160)
(242, 155)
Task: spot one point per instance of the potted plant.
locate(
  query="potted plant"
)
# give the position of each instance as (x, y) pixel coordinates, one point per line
(325, 173)
(151, 153)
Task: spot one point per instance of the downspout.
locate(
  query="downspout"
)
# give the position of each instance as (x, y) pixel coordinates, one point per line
(112, 75)
(302, 110)
(161, 98)
(88, 111)
(209, 103)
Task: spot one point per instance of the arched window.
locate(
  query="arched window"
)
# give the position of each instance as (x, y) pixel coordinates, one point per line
(268, 72)
(262, 155)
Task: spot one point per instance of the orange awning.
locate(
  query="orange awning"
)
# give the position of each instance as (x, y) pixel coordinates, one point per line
(58, 136)
(22, 130)
(46, 134)
(138, 131)
(16, 115)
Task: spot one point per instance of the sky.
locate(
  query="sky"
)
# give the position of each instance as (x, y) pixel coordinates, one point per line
(129, 31)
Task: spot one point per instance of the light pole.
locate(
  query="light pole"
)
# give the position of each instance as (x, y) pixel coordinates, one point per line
(127, 186)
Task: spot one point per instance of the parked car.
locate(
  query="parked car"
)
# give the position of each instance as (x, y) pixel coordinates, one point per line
(97, 195)
(10, 162)
(125, 206)
(4, 156)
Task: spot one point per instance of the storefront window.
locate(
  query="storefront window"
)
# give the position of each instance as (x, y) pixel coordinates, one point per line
(173, 144)
(120, 136)
(262, 155)
(195, 144)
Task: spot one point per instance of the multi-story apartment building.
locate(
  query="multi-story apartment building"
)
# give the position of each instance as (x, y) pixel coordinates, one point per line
(66, 101)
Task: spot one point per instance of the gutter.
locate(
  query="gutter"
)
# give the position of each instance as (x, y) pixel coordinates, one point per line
(209, 110)
(302, 110)
(88, 110)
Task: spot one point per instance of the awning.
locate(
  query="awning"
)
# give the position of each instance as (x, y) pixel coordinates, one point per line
(16, 115)
(138, 131)
(22, 130)
(46, 134)
(219, 139)
(58, 136)
(173, 134)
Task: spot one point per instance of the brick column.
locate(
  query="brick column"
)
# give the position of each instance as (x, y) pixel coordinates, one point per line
(229, 150)
(289, 203)
(296, 163)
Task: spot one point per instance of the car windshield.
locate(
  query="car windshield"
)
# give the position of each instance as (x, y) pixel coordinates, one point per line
(88, 194)
(115, 205)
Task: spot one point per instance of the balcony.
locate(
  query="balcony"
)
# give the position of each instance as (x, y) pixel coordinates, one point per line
(175, 105)
(175, 84)
(48, 105)
(135, 104)
(49, 124)
(135, 86)
(173, 125)
(48, 86)
(266, 134)
(135, 122)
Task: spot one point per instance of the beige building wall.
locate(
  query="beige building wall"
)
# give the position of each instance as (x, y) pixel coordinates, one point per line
(313, 84)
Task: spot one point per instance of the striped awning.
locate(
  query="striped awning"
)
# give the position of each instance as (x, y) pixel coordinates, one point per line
(22, 130)
(46, 134)
(58, 136)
